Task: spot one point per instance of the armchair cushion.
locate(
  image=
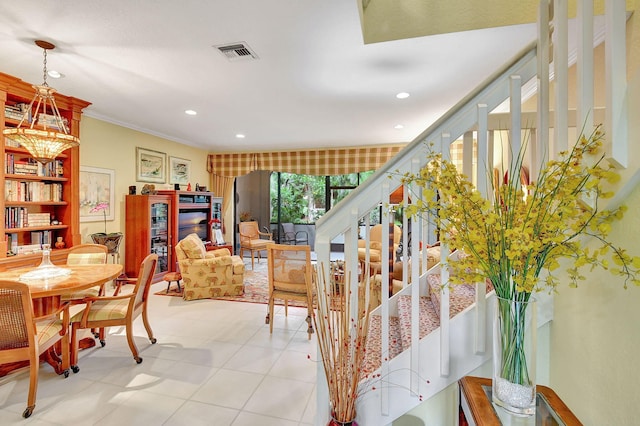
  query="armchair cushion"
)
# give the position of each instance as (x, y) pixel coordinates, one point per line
(193, 247)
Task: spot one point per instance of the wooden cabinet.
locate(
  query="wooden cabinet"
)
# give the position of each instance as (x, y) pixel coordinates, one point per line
(148, 230)
(192, 213)
(31, 191)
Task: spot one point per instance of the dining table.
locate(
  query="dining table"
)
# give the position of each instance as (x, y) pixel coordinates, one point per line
(46, 293)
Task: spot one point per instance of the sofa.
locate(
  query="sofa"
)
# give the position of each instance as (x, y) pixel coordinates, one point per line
(208, 274)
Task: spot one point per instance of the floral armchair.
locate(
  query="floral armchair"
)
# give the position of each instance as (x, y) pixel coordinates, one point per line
(208, 274)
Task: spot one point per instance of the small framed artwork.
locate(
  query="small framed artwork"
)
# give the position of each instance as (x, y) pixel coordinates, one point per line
(179, 170)
(150, 165)
(97, 194)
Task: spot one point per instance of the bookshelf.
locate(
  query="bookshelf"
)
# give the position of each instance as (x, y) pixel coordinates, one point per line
(40, 203)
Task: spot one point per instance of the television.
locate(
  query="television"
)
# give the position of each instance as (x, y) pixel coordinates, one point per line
(190, 222)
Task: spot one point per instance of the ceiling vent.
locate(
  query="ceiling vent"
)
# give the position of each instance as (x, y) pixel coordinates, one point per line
(237, 51)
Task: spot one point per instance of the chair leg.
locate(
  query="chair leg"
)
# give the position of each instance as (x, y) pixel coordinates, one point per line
(271, 303)
(132, 343)
(251, 259)
(147, 326)
(34, 367)
(74, 347)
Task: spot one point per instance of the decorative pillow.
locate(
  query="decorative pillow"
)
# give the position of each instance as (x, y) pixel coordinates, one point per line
(193, 247)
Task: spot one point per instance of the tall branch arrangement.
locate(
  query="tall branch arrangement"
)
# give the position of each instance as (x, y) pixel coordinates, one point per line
(521, 230)
(341, 340)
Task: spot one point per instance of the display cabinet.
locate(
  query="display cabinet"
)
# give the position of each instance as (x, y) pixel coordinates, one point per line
(40, 203)
(148, 230)
(193, 212)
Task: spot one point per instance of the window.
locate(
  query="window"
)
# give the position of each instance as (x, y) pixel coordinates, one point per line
(305, 198)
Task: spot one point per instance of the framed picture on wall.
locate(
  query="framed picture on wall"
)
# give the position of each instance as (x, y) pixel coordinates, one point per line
(97, 194)
(179, 170)
(150, 165)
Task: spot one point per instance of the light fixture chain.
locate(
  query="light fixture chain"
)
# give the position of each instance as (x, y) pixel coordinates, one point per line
(44, 70)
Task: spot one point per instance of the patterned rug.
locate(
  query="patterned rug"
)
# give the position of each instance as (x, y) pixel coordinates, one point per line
(256, 286)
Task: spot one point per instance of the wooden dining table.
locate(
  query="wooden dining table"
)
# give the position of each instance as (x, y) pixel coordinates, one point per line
(46, 293)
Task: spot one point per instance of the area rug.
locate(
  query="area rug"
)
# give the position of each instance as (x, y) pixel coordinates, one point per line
(256, 287)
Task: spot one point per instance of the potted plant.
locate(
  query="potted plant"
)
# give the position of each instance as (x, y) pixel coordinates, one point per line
(111, 240)
(517, 232)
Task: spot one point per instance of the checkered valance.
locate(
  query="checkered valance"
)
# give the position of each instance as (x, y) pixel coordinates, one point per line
(231, 165)
(319, 162)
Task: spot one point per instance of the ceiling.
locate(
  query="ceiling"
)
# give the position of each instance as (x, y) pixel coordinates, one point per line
(315, 84)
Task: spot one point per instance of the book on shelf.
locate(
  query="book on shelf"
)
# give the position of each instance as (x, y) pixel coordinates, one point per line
(38, 219)
(15, 217)
(28, 249)
(41, 237)
(12, 243)
(14, 165)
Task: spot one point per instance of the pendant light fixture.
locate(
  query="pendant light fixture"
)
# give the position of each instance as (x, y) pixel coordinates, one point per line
(51, 136)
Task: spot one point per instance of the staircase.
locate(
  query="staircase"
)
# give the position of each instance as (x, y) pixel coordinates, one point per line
(427, 336)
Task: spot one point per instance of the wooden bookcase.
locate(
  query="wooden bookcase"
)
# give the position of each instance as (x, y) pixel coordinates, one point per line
(192, 211)
(148, 230)
(64, 178)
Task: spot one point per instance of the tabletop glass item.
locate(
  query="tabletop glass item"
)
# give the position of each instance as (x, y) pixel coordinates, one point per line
(544, 414)
(46, 269)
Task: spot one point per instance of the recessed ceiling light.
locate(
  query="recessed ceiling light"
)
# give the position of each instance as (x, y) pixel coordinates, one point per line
(398, 126)
(239, 136)
(190, 112)
(54, 74)
(402, 95)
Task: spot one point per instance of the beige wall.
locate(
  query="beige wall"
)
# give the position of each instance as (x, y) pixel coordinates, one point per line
(113, 147)
(594, 336)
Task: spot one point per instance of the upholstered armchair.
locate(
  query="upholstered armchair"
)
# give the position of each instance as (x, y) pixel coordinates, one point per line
(208, 274)
(376, 234)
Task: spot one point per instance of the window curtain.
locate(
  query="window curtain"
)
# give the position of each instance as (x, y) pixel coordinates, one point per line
(224, 168)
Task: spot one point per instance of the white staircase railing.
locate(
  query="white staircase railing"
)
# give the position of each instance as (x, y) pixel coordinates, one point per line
(463, 343)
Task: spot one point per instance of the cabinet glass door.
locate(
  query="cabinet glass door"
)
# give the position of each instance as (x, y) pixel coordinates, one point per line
(160, 234)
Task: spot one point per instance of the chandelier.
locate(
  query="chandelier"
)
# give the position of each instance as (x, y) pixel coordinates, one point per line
(51, 137)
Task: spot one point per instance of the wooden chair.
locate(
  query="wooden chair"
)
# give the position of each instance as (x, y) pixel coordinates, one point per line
(121, 310)
(251, 239)
(24, 337)
(290, 278)
(86, 254)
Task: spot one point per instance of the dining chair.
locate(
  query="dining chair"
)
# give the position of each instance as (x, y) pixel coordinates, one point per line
(290, 278)
(120, 310)
(251, 238)
(86, 254)
(25, 337)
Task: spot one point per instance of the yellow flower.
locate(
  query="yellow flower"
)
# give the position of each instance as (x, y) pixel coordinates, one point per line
(510, 238)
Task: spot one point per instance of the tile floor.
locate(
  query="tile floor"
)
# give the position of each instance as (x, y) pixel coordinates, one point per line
(215, 363)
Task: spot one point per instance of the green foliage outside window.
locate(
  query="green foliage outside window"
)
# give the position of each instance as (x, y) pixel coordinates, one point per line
(303, 196)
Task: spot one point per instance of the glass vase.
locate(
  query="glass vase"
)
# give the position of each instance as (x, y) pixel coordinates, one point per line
(514, 354)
